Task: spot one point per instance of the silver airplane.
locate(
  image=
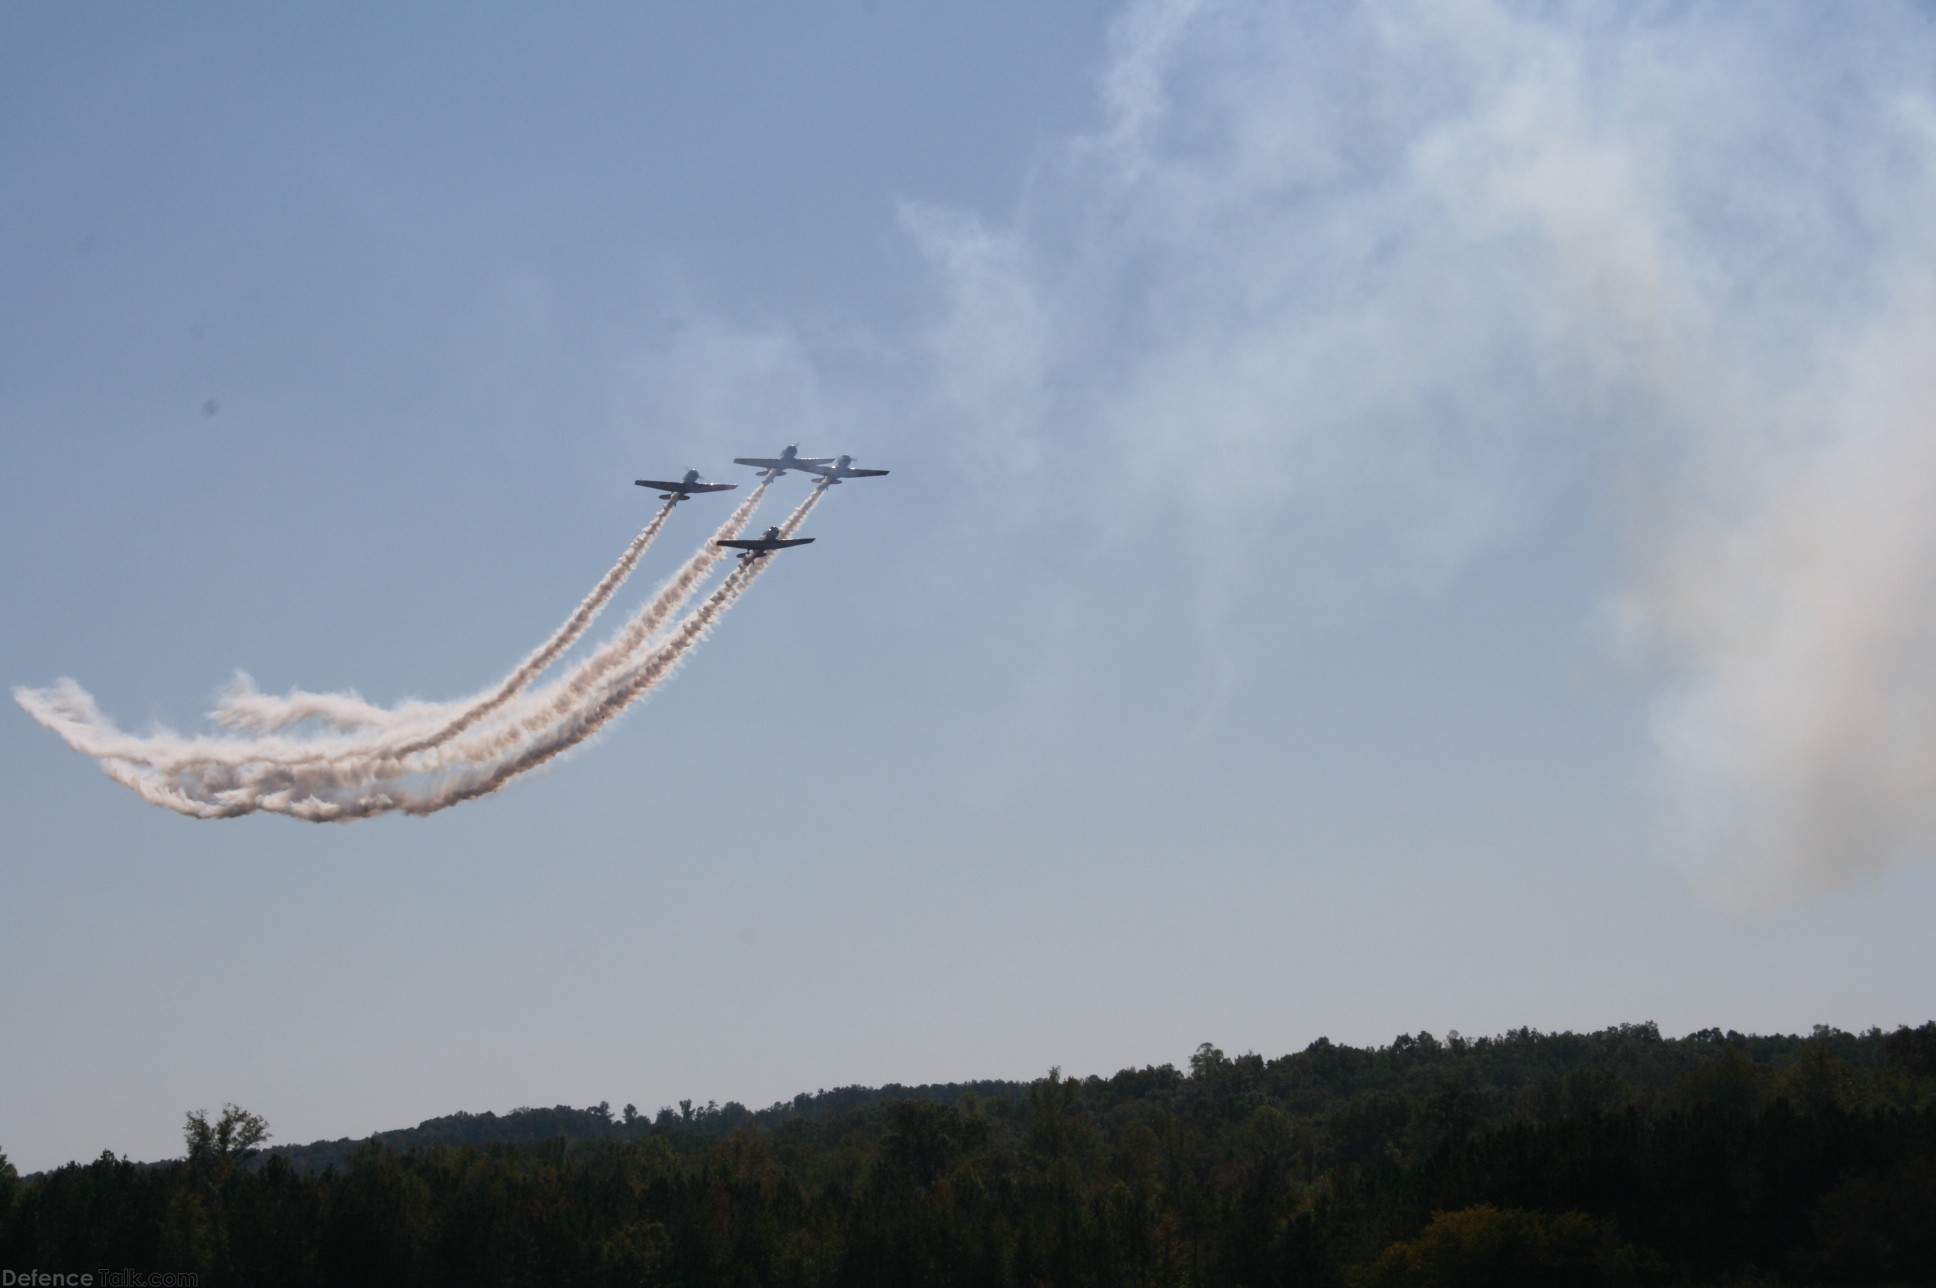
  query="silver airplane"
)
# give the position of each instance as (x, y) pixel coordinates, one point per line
(841, 469)
(760, 547)
(773, 467)
(685, 489)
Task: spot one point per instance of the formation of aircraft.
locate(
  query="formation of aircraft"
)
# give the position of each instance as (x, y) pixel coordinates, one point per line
(828, 469)
(685, 489)
(761, 547)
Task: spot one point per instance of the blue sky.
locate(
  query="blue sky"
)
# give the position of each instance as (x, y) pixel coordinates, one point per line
(1402, 517)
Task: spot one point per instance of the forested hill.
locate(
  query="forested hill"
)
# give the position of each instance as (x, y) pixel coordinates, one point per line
(1612, 1158)
(1523, 1073)
(599, 1122)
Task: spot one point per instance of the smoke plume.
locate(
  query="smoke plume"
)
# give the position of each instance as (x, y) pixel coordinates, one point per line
(1393, 276)
(243, 707)
(469, 749)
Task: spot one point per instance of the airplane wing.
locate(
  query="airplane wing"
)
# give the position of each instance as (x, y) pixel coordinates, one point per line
(685, 487)
(826, 471)
(768, 543)
(776, 463)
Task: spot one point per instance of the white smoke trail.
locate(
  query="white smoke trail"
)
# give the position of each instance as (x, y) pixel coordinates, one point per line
(70, 712)
(247, 708)
(666, 602)
(576, 709)
(582, 723)
(539, 710)
(537, 728)
(587, 721)
(243, 707)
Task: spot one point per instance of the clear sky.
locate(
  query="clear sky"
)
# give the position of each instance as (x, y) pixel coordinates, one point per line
(1402, 517)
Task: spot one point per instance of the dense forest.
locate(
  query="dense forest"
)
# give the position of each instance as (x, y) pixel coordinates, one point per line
(1617, 1157)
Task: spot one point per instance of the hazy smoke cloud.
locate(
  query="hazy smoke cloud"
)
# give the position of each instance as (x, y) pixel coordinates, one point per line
(1382, 276)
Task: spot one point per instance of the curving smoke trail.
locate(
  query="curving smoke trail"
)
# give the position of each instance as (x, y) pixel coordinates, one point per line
(551, 704)
(247, 708)
(70, 712)
(243, 707)
(581, 724)
(666, 602)
(573, 710)
(470, 755)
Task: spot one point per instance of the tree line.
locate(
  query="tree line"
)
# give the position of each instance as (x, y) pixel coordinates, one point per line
(1618, 1157)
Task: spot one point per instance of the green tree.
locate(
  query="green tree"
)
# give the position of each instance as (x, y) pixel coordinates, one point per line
(198, 1211)
(1817, 1082)
(230, 1139)
(9, 1186)
(924, 1139)
(1911, 1053)
(1488, 1247)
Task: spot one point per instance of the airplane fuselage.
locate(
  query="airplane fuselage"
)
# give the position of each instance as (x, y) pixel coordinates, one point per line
(685, 489)
(772, 467)
(760, 547)
(842, 468)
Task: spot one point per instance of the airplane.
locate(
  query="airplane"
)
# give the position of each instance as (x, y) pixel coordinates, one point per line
(685, 489)
(842, 469)
(774, 466)
(761, 547)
